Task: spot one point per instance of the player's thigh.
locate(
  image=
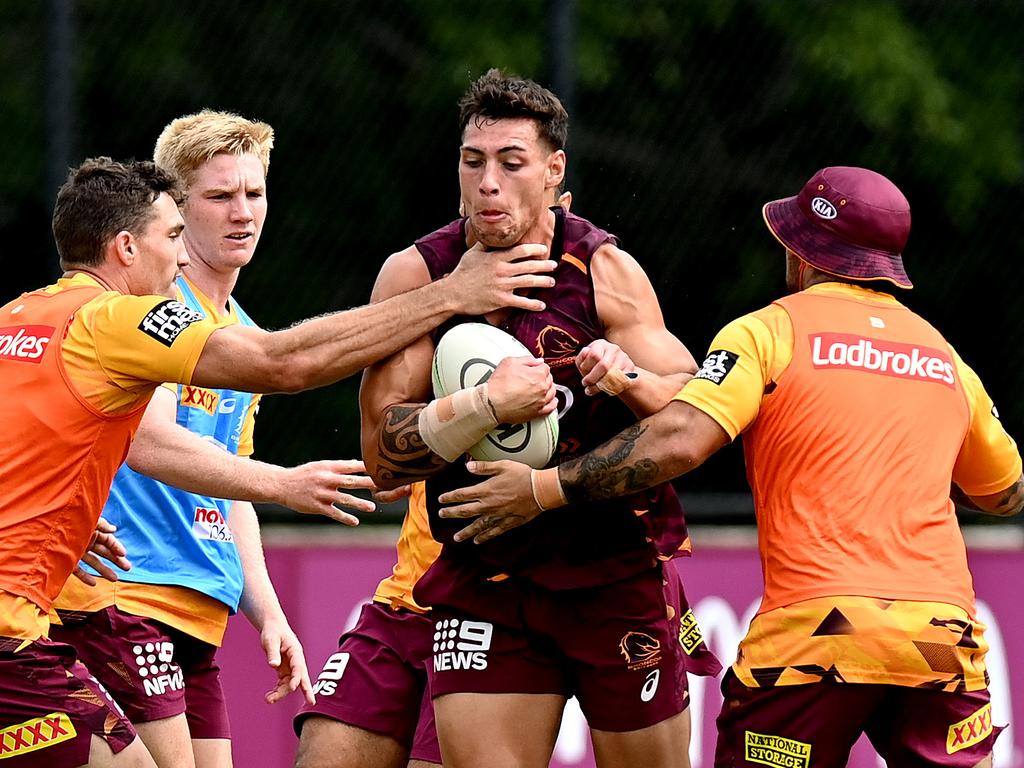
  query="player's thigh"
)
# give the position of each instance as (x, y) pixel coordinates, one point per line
(663, 745)
(916, 727)
(134, 755)
(376, 680)
(623, 653)
(800, 726)
(51, 708)
(212, 753)
(499, 730)
(134, 657)
(206, 709)
(329, 743)
(168, 741)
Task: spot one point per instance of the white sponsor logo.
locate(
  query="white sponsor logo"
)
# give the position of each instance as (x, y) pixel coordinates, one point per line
(210, 524)
(333, 669)
(823, 208)
(167, 320)
(650, 686)
(840, 350)
(717, 365)
(461, 644)
(27, 342)
(157, 669)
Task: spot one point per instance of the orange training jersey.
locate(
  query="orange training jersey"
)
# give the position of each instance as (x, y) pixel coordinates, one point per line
(417, 550)
(856, 414)
(78, 364)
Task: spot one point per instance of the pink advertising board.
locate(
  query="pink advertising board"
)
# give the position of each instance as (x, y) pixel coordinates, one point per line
(322, 581)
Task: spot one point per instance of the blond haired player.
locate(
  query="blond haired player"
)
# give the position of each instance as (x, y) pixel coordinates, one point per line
(196, 555)
(79, 361)
(856, 417)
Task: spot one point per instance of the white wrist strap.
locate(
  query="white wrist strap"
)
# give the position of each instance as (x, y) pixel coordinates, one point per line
(453, 424)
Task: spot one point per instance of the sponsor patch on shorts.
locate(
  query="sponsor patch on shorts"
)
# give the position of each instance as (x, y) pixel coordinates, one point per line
(640, 650)
(969, 731)
(717, 365)
(689, 633)
(167, 320)
(39, 733)
(775, 750)
(461, 644)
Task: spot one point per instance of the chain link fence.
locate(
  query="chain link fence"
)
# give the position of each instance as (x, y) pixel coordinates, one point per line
(685, 118)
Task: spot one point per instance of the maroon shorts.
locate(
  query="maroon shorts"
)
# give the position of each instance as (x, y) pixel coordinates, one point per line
(153, 670)
(615, 648)
(816, 725)
(50, 707)
(377, 680)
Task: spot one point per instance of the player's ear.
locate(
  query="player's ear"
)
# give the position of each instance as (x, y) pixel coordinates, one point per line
(555, 173)
(124, 247)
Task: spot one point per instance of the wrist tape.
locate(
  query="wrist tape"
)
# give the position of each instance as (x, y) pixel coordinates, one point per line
(451, 425)
(547, 488)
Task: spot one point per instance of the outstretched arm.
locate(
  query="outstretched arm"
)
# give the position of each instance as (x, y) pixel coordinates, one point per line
(170, 453)
(673, 441)
(323, 350)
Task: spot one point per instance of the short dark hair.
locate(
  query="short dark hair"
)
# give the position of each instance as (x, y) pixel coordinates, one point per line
(102, 197)
(497, 95)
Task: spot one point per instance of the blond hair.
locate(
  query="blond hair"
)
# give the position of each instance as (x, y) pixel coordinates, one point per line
(188, 142)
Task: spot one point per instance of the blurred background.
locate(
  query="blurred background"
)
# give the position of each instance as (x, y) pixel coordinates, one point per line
(685, 118)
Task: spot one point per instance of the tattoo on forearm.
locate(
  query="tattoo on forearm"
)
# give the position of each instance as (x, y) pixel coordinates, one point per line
(610, 469)
(402, 454)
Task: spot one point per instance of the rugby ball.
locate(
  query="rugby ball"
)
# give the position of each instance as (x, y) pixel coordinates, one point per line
(466, 356)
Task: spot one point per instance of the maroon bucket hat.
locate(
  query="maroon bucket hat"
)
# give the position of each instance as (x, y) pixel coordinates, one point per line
(849, 222)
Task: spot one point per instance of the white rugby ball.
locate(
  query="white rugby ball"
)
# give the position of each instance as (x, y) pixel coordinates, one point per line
(466, 356)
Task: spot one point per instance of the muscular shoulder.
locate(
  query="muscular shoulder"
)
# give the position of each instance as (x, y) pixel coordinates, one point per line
(622, 290)
(401, 272)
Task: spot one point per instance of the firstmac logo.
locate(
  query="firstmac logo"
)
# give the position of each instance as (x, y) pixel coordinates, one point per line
(823, 208)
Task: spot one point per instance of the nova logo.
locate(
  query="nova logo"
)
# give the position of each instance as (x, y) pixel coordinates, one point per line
(333, 669)
(210, 524)
(888, 358)
(157, 669)
(36, 734)
(461, 644)
(823, 208)
(197, 397)
(25, 343)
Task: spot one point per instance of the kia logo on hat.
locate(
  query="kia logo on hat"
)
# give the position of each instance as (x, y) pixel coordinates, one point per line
(823, 208)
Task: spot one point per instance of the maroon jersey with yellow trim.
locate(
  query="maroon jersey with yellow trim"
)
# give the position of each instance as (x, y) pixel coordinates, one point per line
(579, 545)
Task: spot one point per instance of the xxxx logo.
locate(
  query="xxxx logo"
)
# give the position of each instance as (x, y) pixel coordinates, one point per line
(197, 397)
(969, 731)
(36, 734)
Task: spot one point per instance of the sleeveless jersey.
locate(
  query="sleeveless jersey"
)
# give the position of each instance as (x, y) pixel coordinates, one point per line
(417, 551)
(174, 537)
(580, 545)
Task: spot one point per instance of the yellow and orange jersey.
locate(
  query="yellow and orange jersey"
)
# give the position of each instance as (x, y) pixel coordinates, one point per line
(855, 415)
(847, 639)
(78, 364)
(417, 550)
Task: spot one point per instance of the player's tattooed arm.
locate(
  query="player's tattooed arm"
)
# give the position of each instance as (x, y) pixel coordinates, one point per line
(613, 469)
(1005, 503)
(402, 454)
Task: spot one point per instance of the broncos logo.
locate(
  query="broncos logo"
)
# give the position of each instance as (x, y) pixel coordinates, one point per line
(640, 650)
(554, 343)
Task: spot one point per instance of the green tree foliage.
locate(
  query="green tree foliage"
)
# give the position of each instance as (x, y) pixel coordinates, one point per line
(687, 117)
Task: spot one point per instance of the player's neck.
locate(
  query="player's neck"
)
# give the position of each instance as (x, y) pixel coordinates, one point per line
(216, 286)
